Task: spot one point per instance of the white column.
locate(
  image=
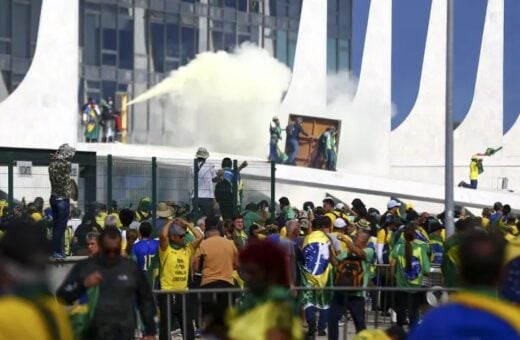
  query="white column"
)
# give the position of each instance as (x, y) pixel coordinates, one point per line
(43, 110)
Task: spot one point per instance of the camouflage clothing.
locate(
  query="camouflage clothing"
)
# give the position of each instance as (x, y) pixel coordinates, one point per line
(59, 171)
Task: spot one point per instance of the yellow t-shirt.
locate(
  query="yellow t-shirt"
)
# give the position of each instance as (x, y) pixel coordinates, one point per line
(21, 319)
(383, 236)
(175, 267)
(473, 170)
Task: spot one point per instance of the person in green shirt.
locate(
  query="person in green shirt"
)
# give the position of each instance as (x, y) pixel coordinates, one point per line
(251, 216)
(275, 131)
(411, 262)
(354, 301)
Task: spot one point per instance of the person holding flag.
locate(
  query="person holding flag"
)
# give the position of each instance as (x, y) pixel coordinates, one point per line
(476, 168)
(316, 272)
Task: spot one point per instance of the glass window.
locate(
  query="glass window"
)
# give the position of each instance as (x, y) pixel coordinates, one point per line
(172, 40)
(230, 3)
(189, 42)
(229, 41)
(281, 8)
(343, 55)
(218, 43)
(92, 48)
(344, 13)
(332, 65)
(36, 7)
(157, 46)
(295, 9)
(109, 59)
(109, 39)
(242, 5)
(5, 47)
(126, 44)
(21, 30)
(5, 18)
(122, 87)
(293, 37)
(272, 8)
(108, 16)
(108, 89)
(281, 46)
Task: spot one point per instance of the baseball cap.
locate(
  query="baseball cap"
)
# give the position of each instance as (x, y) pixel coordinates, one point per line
(340, 206)
(340, 223)
(176, 230)
(392, 204)
(363, 224)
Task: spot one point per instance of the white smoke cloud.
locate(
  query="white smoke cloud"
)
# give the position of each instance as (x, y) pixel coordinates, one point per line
(224, 101)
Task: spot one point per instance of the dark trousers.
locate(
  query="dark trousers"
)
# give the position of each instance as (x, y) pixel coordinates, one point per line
(227, 209)
(176, 312)
(310, 316)
(214, 306)
(408, 304)
(472, 184)
(295, 145)
(340, 303)
(206, 206)
(273, 152)
(60, 214)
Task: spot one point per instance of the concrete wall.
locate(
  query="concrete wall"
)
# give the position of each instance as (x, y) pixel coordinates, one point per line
(43, 109)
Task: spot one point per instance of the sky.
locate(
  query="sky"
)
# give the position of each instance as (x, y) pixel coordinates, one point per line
(409, 28)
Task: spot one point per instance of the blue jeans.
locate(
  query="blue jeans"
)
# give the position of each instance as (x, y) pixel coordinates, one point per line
(330, 159)
(472, 184)
(310, 316)
(273, 152)
(340, 303)
(60, 215)
(294, 143)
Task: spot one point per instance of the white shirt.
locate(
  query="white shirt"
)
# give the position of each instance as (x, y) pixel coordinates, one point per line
(206, 186)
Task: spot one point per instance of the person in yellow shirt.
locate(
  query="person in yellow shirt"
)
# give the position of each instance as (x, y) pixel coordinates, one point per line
(175, 258)
(29, 311)
(475, 167)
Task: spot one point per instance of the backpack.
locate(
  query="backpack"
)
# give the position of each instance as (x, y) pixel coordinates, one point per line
(224, 191)
(349, 272)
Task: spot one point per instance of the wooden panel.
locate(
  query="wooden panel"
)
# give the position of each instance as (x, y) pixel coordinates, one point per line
(308, 146)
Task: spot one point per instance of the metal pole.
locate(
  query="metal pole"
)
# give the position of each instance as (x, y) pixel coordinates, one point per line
(273, 193)
(109, 181)
(196, 189)
(448, 166)
(154, 189)
(10, 184)
(185, 318)
(235, 187)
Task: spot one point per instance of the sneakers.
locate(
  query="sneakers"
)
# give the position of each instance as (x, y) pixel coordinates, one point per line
(322, 333)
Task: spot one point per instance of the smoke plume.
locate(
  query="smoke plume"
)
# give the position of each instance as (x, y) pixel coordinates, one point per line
(224, 101)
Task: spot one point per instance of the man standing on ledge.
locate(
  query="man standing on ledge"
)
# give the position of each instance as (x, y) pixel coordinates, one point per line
(294, 129)
(62, 189)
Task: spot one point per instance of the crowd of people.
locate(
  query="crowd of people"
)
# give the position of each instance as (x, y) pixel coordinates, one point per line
(102, 123)
(302, 268)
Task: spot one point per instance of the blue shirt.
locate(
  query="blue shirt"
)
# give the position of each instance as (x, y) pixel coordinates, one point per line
(144, 251)
(457, 321)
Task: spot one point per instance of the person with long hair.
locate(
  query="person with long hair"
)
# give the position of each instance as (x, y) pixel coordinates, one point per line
(410, 261)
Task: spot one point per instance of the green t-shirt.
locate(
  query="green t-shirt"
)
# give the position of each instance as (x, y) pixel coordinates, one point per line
(420, 264)
(450, 263)
(251, 217)
(365, 264)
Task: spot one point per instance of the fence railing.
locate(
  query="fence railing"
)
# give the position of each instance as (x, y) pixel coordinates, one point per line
(107, 179)
(376, 316)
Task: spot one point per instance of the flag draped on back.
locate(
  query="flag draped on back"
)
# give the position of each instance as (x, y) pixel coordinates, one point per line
(316, 265)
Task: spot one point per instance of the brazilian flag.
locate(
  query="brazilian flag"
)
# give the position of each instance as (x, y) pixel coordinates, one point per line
(316, 271)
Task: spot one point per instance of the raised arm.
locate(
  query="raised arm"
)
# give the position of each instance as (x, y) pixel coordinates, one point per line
(164, 241)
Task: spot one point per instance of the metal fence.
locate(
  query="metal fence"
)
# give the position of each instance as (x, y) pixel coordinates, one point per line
(376, 315)
(106, 179)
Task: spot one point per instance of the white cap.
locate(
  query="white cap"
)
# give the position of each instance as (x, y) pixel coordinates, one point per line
(392, 204)
(340, 223)
(340, 206)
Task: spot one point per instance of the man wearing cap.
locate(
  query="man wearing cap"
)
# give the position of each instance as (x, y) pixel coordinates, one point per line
(294, 129)
(63, 188)
(474, 171)
(339, 227)
(207, 177)
(175, 259)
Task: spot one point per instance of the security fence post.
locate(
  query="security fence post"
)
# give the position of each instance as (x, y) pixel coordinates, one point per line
(273, 173)
(196, 189)
(109, 181)
(235, 187)
(10, 183)
(154, 189)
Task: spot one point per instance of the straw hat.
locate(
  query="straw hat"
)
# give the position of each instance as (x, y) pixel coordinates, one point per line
(163, 210)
